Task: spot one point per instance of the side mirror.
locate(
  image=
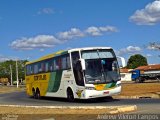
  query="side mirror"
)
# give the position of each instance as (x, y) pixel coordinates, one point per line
(83, 64)
(122, 60)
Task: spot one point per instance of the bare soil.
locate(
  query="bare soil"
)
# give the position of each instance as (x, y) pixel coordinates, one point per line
(51, 114)
(131, 89)
(8, 89)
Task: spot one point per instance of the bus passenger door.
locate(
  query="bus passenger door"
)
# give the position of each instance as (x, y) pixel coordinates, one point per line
(77, 68)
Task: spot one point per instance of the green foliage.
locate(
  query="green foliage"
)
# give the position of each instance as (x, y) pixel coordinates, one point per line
(136, 61)
(5, 71)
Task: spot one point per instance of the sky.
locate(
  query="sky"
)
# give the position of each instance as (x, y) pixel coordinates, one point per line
(30, 29)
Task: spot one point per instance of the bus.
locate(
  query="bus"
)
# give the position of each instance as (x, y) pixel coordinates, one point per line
(80, 73)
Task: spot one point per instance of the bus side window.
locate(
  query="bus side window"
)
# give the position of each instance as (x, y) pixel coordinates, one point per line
(31, 69)
(68, 62)
(54, 64)
(35, 68)
(59, 63)
(50, 65)
(27, 70)
(43, 66)
(47, 66)
(39, 68)
(64, 62)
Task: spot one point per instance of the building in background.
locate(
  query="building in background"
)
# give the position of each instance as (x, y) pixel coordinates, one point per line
(125, 74)
(155, 68)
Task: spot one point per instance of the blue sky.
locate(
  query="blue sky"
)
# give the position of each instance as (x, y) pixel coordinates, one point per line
(30, 29)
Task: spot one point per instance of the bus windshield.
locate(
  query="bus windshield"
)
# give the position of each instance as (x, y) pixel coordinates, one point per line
(101, 66)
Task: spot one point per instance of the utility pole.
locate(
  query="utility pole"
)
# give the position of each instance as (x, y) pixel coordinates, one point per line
(11, 75)
(17, 73)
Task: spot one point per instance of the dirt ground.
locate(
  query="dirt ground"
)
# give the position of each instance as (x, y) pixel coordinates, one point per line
(130, 89)
(53, 114)
(8, 89)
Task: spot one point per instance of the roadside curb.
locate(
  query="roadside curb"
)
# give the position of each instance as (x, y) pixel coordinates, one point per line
(123, 109)
(149, 95)
(111, 109)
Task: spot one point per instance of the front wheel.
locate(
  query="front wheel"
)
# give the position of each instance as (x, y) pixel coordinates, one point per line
(70, 96)
(33, 94)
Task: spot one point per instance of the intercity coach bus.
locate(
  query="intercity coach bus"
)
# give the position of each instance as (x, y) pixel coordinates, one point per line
(80, 73)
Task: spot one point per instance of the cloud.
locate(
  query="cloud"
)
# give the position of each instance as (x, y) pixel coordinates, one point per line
(150, 15)
(94, 31)
(90, 31)
(49, 41)
(154, 46)
(129, 50)
(71, 34)
(46, 11)
(97, 31)
(40, 41)
(149, 55)
(5, 58)
(41, 50)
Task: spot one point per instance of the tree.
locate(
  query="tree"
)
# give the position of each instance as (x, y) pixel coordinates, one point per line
(136, 61)
(5, 69)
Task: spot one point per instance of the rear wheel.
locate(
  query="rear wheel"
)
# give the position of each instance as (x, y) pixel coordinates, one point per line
(38, 96)
(70, 96)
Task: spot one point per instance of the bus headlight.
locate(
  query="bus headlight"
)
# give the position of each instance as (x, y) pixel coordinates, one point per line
(89, 88)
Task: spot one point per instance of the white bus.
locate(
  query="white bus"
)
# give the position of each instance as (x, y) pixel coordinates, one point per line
(80, 73)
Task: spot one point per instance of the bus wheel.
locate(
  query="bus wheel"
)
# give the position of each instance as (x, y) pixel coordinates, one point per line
(38, 96)
(70, 96)
(33, 93)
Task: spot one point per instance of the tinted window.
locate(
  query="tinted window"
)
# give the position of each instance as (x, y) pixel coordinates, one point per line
(49, 65)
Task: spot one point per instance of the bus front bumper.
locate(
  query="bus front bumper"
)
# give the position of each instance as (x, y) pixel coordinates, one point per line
(88, 94)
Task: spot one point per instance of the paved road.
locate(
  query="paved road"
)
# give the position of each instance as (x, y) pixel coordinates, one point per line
(20, 98)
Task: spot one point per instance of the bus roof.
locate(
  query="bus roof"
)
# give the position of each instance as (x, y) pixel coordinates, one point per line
(48, 56)
(88, 48)
(61, 52)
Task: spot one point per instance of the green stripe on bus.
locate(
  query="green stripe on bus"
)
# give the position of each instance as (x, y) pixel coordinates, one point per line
(54, 81)
(110, 85)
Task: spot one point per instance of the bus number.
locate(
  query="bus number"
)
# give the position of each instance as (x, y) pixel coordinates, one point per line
(40, 77)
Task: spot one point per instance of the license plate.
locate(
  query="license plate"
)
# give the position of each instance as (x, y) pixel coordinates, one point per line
(107, 92)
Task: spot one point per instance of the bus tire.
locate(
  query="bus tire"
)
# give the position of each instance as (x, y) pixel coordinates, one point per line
(70, 96)
(33, 93)
(38, 96)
